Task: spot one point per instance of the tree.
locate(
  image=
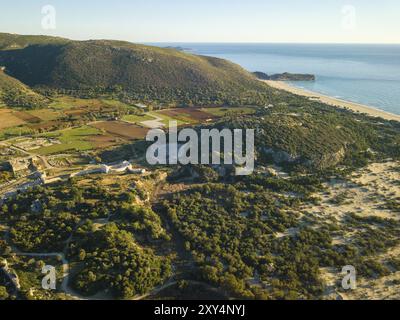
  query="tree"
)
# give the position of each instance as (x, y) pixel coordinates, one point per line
(82, 254)
(4, 209)
(3, 293)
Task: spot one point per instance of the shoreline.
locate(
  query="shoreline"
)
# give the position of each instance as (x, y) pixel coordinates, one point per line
(334, 102)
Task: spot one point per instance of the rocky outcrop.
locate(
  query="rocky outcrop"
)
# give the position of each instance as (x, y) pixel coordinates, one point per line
(280, 156)
(285, 76)
(324, 161)
(332, 159)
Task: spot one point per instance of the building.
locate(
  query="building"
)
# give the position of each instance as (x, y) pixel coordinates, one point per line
(20, 164)
(105, 169)
(121, 167)
(137, 171)
(141, 106)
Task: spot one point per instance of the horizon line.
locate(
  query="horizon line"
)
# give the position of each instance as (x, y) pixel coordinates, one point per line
(265, 42)
(209, 42)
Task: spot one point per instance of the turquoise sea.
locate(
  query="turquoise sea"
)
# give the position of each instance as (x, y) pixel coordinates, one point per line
(366, 74)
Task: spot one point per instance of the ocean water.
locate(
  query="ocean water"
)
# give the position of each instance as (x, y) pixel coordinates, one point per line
(366, 74)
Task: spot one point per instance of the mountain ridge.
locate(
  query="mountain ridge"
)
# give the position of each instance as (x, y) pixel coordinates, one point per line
(9, 41)
(140, 71)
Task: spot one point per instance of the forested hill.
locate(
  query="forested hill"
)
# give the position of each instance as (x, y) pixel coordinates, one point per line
(13, 93)
(10, 41)
(134, 70)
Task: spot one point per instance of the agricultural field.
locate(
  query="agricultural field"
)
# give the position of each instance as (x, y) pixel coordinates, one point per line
(116, 103)
(222, 112)
(192, 115)
(137, 119)
(9, 119)
(164, 120)
(64, 109)
(72, 105)
(62, 113)
(26, 117)
(77, 139)
(121, 129)
(15, 132)
(189, 116)
(46, 114)
(65, 102)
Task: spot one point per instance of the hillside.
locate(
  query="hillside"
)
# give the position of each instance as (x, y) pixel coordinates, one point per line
(135, 71)
(13, 93)
(10, 41)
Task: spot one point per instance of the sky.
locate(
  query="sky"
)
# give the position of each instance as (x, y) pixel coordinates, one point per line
(300, 21)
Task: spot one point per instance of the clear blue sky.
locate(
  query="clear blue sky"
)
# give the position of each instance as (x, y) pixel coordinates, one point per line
(376, 21)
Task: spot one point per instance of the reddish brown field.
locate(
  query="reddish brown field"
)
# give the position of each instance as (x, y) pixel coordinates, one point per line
(95, 106)
(76, 112)
(26, 117)
(9, 119)
(191, 113)
(122, 129)
(47, 125)
(103, 141)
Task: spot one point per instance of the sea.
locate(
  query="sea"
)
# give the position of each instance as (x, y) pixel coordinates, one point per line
(362, 73)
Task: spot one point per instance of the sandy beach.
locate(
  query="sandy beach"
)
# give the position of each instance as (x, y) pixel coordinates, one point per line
(333, 101)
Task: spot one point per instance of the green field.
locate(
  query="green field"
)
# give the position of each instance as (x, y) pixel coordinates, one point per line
(46, 114)
(9, 133)
(117, 104)
(222, 112)
(182, 120)
(63, 103)
(154, 115)
(71, 140)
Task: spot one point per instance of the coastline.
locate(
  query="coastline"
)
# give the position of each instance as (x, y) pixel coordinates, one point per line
(339, 103)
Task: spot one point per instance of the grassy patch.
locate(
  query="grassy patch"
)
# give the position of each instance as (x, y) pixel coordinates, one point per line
(72, 139)
(46, 114)
(116, 103)
(15, 132)
(154, 115)
(65, 102)
(222, 112)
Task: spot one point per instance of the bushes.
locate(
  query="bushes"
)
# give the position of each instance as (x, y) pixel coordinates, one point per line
(114, 262)
(43, 234)
(232, 235)
(115, 256)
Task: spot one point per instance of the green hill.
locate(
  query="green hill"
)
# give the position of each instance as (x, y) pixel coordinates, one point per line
(10, 41)
(13, 93)
(133, 71)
